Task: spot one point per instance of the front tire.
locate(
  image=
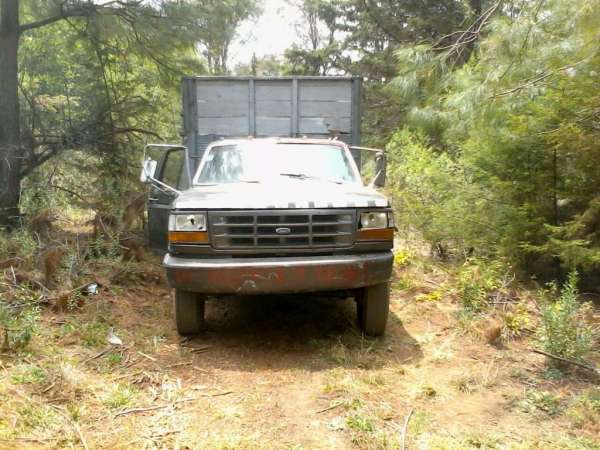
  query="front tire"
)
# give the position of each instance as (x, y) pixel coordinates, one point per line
(188, 308)
(372, 308)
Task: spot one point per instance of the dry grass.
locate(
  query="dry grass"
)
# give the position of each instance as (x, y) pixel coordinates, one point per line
(285, 373)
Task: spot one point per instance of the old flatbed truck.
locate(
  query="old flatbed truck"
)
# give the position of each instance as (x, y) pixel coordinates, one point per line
(265, 197)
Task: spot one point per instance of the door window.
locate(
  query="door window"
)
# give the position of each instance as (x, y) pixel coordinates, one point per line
(173, 172)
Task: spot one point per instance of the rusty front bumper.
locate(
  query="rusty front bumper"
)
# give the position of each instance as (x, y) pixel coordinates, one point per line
(278, 275)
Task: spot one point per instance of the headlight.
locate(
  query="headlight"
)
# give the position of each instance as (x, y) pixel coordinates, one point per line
(187, 222)
(372, 220)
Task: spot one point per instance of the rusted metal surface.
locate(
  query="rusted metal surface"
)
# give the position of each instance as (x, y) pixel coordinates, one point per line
(278, 275)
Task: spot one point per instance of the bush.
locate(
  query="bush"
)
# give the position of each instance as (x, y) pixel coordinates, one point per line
(18, 319)
(563, 330)
(478, 281)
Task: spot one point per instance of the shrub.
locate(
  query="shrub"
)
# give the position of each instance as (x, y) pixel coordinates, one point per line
(563, 330)
(477, 281)
(18, 319)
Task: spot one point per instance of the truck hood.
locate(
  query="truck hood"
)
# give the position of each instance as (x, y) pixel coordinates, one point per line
(290, 194)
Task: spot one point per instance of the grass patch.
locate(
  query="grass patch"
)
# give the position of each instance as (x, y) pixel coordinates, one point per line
(119, 396)
(542, 402)
(584, 410)
(29, 374)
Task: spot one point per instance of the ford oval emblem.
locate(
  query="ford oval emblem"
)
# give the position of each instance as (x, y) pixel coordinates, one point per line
(283, 230)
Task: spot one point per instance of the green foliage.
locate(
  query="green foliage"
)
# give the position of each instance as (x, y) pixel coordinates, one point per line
(517, 319)
(503, 144)
(118, 396)
(563, 331)
(29, 374)
(585, 409)
(477, 280)
(93, 334)
(19, 314)
(542, 402)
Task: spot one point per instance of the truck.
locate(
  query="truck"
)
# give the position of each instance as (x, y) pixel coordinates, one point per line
(265, 196)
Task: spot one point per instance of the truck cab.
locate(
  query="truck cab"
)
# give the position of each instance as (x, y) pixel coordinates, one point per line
(270, 215)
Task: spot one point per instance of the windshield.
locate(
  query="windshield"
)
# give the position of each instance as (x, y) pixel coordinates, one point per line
(257, 161)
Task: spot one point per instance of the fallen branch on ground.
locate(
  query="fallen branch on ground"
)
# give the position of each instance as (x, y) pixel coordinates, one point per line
(97, 355)
(170, 366)
(329, 408)
(218, 394)
(405, 428)
(568, 361)
(150, 408)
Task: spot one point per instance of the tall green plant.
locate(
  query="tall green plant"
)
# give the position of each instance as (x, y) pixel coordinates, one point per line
(563, 331)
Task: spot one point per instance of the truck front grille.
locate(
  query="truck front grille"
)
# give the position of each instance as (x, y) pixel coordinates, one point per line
(282, 229)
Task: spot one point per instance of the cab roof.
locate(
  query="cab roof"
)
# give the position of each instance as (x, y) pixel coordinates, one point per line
(280, 140)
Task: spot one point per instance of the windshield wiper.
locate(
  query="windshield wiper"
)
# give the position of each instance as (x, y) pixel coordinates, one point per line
(303, 176)
(237, 181)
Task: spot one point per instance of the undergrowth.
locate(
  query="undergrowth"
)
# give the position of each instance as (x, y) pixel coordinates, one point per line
(564, 331)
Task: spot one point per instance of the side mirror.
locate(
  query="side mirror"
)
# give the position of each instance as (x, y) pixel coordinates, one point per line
(148, 169)
(380, 169)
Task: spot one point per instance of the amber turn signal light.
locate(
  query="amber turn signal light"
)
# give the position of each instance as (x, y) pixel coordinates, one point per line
(188, 237)
(376, 234)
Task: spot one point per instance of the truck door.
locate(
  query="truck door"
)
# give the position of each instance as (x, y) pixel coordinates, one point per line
(172, 171)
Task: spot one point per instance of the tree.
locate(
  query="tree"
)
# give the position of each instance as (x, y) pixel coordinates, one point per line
(10, 143)
(216, 23)
(319, 50)
(112, 51)
(510, 135)
(264, 66)
(13, 163)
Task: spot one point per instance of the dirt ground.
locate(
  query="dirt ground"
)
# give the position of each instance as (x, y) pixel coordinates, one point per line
(283, 373)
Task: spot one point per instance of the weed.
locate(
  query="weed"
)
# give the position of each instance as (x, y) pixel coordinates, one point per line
(118, 396)
(22, 240)
(29, 374)
(553, 373)
(433, 296)
(466, 384)
(360, 423)
(403, 283)
(358, 355)
(542, 401)
(93, 334)
(517, 319)
(402, 258)
(18, 318)
(584, 411)
(477, 280)
(75, 411)
(33, 416)
(563, 330)
(419, 422)
(428, 391)
(373, 379)
(114, 359)
(466, 321)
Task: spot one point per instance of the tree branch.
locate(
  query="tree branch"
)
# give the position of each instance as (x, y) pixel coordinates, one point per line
(83, 10)
(567, 361)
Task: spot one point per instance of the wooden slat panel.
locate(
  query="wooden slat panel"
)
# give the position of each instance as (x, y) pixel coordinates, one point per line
(321, 125)
(325, 108)
(225, 126)
(324, 90)
(274, 108)
(274, 90)
(273, 126)
(215, 91)
(226, 108)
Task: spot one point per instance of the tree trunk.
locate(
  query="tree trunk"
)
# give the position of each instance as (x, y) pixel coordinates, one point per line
(10, 149)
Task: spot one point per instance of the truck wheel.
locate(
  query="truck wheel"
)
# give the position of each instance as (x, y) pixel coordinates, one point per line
(189, 312)
(372, 307)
